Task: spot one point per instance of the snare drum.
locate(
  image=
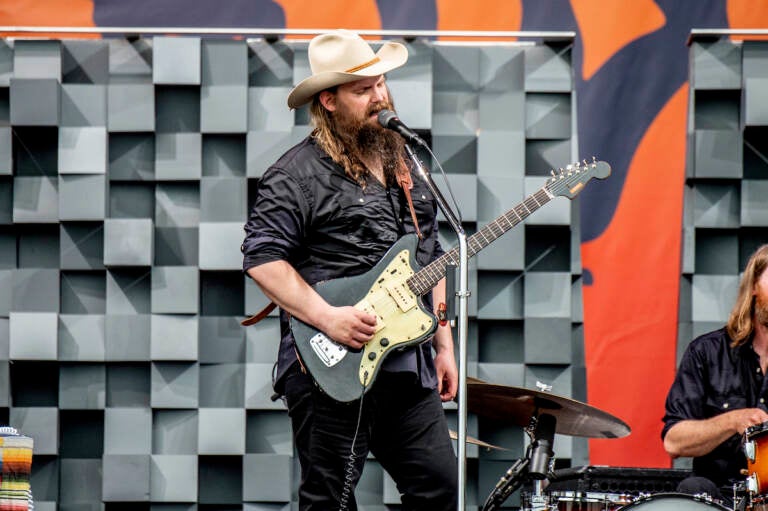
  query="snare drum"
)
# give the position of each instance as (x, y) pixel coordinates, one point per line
(674, 502)
(587, 501)
(756, 450)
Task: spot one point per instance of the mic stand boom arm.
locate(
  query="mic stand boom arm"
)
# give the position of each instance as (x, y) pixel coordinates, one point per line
(463, 295)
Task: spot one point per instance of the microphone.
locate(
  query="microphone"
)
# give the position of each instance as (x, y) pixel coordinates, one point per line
(542, 446)
(512, 479)
(389, 120)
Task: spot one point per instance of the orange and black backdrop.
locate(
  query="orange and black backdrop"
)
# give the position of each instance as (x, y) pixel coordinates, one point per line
(631, 81)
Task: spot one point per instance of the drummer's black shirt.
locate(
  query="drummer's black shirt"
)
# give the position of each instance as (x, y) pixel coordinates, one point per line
(714, 378)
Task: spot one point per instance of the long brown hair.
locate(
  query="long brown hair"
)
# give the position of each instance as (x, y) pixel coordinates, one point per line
(740, 323)
(344, 148)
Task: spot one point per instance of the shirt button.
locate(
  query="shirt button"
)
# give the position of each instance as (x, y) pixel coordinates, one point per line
(758, 370)
(725, 405)
(762, 400)
(362, 200)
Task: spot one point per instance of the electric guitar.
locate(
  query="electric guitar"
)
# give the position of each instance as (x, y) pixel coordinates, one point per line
(393, 288)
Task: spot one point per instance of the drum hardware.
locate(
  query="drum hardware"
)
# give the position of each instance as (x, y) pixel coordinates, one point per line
(512, 479)
(675, 502)
(739, 495)
(756, 451)
(750, 450)
(541, 414)
(588, 501)
(539, 500)
(518, 405)
(536, 466)
(603, 480)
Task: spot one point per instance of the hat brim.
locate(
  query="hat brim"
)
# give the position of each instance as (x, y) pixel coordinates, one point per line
(391, 56)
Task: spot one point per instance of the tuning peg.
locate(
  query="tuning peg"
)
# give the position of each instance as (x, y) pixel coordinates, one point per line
(594, 161)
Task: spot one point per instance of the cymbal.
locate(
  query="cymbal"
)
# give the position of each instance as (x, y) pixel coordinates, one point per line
(471, 440)
(518, 404)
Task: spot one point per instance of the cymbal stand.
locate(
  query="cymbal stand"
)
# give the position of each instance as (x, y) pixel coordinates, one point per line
(536, 466)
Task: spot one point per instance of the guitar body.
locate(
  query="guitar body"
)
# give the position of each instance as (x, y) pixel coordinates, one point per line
(392, 291)
(402, 321)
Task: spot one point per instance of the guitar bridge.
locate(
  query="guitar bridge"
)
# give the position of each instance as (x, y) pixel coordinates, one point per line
(327, 350)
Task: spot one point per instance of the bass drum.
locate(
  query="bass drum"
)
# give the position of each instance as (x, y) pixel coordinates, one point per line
(674, 502)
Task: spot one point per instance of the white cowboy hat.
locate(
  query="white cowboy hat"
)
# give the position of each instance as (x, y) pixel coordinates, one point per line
(340, 57)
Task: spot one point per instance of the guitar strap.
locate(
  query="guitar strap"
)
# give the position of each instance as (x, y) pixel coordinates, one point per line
(406, 183)
(260, 315)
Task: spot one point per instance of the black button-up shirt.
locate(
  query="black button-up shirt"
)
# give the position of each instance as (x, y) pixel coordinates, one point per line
(714, 378)
(308, 212)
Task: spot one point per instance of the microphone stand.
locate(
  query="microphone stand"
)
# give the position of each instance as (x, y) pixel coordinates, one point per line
(463, 296)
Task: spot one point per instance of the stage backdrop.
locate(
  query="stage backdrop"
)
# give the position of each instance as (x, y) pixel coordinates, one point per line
(632, 91)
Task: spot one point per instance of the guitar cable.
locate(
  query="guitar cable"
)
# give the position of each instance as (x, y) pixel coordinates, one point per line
(349, 468)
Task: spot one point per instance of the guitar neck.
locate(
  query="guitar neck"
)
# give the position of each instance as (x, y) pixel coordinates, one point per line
(428, 277)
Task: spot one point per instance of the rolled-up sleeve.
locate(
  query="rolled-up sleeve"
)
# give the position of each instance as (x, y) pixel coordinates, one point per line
(277, 221)
(687, 395)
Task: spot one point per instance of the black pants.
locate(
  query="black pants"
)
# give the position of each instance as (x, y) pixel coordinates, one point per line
(402, 424)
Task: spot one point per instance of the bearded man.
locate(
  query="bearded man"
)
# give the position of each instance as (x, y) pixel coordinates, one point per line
(720, 390)
(330, 207)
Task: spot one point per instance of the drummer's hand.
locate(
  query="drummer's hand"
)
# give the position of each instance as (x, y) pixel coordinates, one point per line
(746, 417)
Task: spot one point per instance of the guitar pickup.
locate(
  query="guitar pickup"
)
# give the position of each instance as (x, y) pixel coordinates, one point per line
(365, 306)
(402, 296)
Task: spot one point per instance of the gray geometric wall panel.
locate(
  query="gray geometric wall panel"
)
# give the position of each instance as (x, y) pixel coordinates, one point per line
(725, 213)
(126, 170)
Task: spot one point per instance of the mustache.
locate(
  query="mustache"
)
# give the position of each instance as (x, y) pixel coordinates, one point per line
(375, 109)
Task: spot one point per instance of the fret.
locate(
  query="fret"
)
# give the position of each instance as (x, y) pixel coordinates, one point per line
(506, 217)
(430, 275)
(559, 185)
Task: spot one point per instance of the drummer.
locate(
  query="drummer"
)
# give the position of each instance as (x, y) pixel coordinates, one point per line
(720, 389)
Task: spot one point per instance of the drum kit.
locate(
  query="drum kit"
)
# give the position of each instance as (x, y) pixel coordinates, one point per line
(543, 414)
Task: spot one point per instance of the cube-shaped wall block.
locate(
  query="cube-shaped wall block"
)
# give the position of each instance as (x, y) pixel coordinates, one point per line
(34, 336)
(221, 431)
(175, 289)
(128, 242)
(35, 102)
(173, 478)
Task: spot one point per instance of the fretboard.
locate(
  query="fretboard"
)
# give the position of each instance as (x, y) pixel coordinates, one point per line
(426, 278)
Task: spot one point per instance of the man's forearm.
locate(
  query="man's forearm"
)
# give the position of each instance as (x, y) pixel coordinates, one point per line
(697, 437)
(283, 285)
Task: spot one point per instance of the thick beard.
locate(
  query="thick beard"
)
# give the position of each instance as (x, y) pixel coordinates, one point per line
(365, 141)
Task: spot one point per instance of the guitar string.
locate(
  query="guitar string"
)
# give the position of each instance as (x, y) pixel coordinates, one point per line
(432, 270)
(530, 204)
